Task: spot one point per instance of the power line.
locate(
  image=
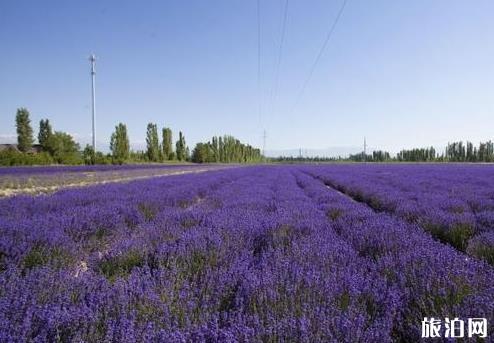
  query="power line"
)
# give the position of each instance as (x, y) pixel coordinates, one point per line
(319, 55)
(264, 136)
(259, 57)
(274, 92)
(365, 149)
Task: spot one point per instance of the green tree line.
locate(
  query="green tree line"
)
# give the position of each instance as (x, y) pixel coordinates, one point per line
(454, 152)
(57, 147)
(156, 150)
(61, 148)
(226, 149)
(53, 146)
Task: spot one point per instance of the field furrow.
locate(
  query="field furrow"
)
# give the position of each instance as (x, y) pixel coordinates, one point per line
(457, 208)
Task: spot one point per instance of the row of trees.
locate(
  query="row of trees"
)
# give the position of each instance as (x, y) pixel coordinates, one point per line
(59, 147)
(156, 151)
(376, 156)
(226, 149)
(417, 155)
(53, 147)
(454, 152)
(304, 159)
(459, 152)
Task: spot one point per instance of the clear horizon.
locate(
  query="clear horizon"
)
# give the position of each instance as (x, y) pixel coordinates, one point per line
(404, 75)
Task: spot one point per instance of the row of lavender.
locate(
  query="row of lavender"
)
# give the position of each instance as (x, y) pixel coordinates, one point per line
(248, 254)
(455, 203)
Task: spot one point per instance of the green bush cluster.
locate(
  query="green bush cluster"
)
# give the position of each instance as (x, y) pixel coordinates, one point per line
(11, 157)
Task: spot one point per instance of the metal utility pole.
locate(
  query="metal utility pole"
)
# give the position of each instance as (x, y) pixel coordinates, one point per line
(365, 150)
(264, 143)
(92, 59)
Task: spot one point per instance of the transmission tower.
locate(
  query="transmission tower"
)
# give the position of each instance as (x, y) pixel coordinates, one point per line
(92, 59)
(264, 143)
(365, 150)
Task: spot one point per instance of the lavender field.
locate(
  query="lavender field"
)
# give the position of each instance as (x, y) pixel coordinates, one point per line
(309, 253)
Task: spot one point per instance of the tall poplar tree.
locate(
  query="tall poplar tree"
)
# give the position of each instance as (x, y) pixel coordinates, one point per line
(153, 144)
(24, 130)
(45, 132)
(119, 144)
(167, 143)
(181, 147)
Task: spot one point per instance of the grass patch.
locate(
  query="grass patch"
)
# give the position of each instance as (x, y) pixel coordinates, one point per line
(184, 203)
(483, 251)
(40, 256)
(97, 239)
(452, 298)
(344, 301)
(334, 213)
(457, 236)
(147, 211)
(121, 265)
(375, 203)
(187, 223)
(227, 299)
(193, 266)
(3, 261)
(147, 312)
(456, 209)
(276, 238)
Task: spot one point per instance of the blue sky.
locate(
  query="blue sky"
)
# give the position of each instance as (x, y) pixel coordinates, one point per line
(402, 73)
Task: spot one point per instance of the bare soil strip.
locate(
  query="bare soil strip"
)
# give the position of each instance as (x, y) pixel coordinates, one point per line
(38, 190)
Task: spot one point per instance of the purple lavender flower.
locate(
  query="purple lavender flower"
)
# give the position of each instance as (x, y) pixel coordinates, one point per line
(262, 253)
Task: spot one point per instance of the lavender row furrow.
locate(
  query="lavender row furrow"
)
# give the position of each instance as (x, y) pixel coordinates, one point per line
(433, 279)
(453, 203)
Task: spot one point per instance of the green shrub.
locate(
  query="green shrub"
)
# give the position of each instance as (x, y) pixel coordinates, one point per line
(11, 157)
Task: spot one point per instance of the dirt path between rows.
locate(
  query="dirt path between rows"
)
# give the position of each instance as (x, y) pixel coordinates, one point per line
(38, 190)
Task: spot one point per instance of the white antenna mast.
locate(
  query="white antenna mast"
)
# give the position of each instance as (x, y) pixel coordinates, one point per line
(365, 150)
(264, 143)
(92, 59)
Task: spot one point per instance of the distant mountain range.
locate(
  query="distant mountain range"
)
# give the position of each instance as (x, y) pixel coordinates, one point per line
(342, 151)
